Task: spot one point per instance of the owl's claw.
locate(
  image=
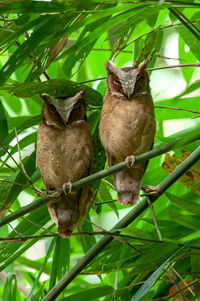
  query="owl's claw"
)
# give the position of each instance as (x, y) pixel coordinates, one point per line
(130, 160)
(67, 187)
(150, 190)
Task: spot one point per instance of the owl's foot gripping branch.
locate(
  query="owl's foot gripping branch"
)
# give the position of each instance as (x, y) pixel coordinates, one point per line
(130, 160)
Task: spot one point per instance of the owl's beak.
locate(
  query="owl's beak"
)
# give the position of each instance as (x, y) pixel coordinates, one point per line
(129, 91)
(128, 94)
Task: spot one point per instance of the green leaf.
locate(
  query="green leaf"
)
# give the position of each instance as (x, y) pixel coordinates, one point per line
(194, 86)
(30, 167)
(189, 221)
(90, 294)
(26, 49)
(189, 39)
(184, 203)
(138, 15)
(29, 139)
(42, 268)
(55, 88)
(151, 20)
(21, 127)
(32, 7)
(106, 196)
(187, 72)
(10, 288)
(61, 259)
(3, 123)
(87, 241)
(149, 282)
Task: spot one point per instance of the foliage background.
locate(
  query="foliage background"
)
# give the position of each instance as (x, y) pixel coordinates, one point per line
(64, 40)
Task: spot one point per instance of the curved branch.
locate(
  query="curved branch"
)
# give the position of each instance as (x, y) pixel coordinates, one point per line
(104, 173)
(125, 221)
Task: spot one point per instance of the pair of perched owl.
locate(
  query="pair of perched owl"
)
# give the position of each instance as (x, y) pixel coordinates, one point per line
(64, 148)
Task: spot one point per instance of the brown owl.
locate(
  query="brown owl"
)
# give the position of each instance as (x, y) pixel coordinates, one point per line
(64, 154)
(127, 125)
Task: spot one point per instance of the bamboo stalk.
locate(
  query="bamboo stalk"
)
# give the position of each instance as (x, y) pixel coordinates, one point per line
(125, 221)
(104, 173)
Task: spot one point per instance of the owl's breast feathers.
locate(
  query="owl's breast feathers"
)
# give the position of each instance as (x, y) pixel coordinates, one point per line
(64, 155)
(127, 127)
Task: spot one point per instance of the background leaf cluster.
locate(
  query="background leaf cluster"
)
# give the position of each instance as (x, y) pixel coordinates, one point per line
(58, 47)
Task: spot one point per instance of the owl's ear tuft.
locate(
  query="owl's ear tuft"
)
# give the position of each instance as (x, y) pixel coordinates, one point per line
(80, 94)
(143, 66)
(110, 67)
(45, 98)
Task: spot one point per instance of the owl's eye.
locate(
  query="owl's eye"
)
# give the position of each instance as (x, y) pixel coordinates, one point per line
(51, 109)
(139, 79)
(117, 82)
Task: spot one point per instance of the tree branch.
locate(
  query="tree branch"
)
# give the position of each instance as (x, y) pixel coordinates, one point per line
(104, 173)
(125, 221)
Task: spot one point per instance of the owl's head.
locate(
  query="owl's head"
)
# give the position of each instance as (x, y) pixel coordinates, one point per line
(128, 81)
(61, 112)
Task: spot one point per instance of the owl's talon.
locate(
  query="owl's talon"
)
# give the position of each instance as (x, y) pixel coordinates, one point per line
(130, 160)
(150, 190)
(67, 187)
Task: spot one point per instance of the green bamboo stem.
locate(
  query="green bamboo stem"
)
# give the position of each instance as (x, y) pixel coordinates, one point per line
(23, 210)
(104, 173)
(177, 14)
(125, 221)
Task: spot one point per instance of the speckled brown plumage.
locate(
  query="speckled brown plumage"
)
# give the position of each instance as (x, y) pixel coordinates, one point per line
(64, 154)
(127, 128)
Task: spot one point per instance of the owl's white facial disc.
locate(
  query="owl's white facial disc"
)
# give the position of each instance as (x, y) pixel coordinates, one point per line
(64, 107)
(127, 80)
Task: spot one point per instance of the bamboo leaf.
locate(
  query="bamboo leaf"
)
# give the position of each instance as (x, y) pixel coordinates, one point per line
(55, 88)
(10, 288)
(90, 294)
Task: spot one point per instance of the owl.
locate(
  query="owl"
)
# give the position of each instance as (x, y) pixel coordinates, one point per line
(127, 126)
(64, 154)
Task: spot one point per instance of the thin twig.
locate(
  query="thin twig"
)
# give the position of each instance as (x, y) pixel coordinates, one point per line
(13, 229)
(149, 69)
(173, 278)
(11, 168)
(184, 282)
(105, 202)
(154, 219)
(139, 2)
(33, 223)
(109, 184)
(15, 183)
(8, 152)
(37, 191)
(176, 293)
(129, 51)
(195, 117)
(175, 66)
(178, 109)
(116, 237)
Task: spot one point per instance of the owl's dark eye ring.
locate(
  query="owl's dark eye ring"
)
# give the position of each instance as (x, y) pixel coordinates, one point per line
(51, 109)
(117, 82)
(140, 78)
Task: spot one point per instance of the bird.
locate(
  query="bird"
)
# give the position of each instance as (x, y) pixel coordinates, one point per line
(127, 125)
(64, 155)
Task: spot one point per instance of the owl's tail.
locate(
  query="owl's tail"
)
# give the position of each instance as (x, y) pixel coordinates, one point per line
(128, 187)
(67, 211)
